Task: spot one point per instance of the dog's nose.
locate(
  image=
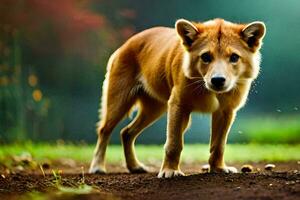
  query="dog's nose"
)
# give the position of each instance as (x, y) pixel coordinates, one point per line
(218, 81)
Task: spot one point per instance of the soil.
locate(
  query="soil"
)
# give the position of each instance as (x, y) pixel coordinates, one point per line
(281, 183)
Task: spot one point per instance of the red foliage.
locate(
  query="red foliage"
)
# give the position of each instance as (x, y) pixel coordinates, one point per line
(66, 14)
(68, 20)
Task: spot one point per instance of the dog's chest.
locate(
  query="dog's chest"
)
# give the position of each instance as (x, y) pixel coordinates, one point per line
(205, 103)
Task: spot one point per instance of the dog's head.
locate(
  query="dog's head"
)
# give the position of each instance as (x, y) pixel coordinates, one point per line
(224, 54)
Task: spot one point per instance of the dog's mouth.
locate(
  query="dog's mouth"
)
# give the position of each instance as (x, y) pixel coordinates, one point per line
(218, 89)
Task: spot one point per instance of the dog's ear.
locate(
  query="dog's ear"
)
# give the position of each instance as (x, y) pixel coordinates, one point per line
(253, 34)
(187, 32)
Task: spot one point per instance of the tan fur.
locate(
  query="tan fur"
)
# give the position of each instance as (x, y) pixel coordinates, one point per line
(162, 69)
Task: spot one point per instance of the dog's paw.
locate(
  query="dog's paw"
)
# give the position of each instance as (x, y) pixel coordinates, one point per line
(226, 170)
(139, 169)
(97, 170)
(169, 173)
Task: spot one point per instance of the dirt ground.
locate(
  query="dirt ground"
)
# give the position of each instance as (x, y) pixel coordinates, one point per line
(281, 183)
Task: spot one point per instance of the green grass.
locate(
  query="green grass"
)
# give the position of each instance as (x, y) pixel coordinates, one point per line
(270, 129)
(154, 153)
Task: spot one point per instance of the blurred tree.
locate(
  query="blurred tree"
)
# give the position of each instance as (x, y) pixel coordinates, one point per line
(54, 43)
(53, 57)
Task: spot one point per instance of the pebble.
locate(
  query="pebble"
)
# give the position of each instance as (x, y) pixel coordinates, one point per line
(290, 182)
(46, 165)
(237, 188)
(269, 167)
(68, 162)
(25, 158)
(7, 171)
(19, 168)
(247, 168)
(205, 168)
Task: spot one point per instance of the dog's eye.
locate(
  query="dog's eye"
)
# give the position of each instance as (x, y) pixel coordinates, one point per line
(206, 57)
(234, 58)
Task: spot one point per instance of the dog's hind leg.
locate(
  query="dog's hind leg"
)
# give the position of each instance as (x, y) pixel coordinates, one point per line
(149, 110)
(116, 102)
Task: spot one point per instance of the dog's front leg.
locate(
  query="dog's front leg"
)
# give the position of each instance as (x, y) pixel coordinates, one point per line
(221, 122)
(178, 119)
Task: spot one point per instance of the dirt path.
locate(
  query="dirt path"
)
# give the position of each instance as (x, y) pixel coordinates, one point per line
(284, 183)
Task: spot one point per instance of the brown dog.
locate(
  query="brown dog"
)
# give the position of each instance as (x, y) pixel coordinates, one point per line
(205, 67)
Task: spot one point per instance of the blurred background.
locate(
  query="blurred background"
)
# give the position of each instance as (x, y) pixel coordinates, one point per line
(53, 57)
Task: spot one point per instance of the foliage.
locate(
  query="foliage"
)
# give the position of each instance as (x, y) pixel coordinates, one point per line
(270, 129)
(51, 37)
(53, 60)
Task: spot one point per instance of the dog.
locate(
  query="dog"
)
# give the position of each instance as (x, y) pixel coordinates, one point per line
(203, 67)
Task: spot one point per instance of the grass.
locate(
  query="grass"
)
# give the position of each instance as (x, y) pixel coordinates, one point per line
(153, 153)
(270, 129)
(62, 192)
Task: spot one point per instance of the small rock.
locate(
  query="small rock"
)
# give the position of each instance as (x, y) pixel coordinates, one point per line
(46, 165)
(68, 162)
(269, 167)
(24, 158)
(19, 168)
(237, 188)
(290, 182)
(7, 171)
(247, 168)
(205, 168)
